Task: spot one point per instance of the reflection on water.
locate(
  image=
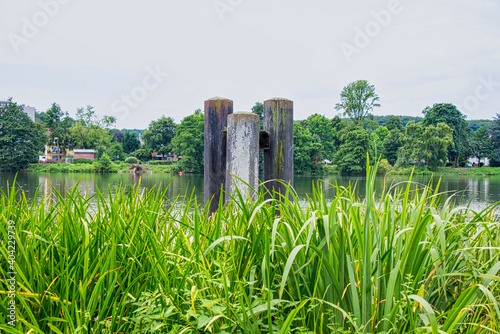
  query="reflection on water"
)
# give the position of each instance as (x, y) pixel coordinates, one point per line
(480, 190)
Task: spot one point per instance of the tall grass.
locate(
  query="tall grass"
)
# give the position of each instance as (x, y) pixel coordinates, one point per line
(137, 263)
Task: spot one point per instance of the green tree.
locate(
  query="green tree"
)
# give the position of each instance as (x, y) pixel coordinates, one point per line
(481, 143)
(258, 109)
(59, 125)
(159, 135)
(429, 144)
(115, 151)
(189, 142)
(392, 143)
(394, 123)
(351, 156)
(90, 130)
(495, 142)
(376, 145)
(20, 138)
(306, 151)
(357, 99)
(130, 142)
(143, 154)
(324, 132)
(103, 165)
(449, 114)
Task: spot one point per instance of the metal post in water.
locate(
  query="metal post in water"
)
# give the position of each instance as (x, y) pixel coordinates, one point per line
(278, 159)
(242, 154)
(216, 112)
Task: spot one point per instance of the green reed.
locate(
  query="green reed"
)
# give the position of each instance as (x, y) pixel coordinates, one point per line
(136, 262)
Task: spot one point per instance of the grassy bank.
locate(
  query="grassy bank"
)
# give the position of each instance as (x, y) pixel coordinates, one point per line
(120, 167)
(479, 171)
(138, 263)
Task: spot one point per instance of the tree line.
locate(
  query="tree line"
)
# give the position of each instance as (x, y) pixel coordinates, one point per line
(442, 136)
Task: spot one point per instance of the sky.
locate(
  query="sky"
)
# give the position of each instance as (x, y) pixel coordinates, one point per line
(139, 60)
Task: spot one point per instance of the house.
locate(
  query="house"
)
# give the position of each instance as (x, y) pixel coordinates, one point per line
(165, 157)
(84, 154)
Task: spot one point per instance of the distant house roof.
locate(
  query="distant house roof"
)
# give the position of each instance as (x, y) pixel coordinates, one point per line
(83, 151)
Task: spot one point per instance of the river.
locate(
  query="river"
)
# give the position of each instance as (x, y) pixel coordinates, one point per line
(480, 190)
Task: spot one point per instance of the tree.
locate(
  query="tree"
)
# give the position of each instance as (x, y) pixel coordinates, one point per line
(429, 144)
(189, 142)
(357, 99)
(351, 156)
(391, 144)
(20, 138)
(159, 135)
(449, 114)
(324, 132)
(59, 125)
(258, 109)
(395, 123)
(130, 142)
(376, 146)
(143, 154)
(306, 151)
(90, 130)
(481, 143)
(495, 142)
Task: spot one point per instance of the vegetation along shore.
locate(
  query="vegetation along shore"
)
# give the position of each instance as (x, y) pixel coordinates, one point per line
(139, 263)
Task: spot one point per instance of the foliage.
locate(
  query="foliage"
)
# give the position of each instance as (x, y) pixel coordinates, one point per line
(103, 165)
(130, 142)
(159, 135)
(351, 156)
(20, 138)
(83, 161)
(90, 131)
(141, 263)
(115, 151)
(394, 123)
(142, 154)
(131, 160)
(425, 143)
(189, 143)
(391, 144)
(59, 125)
(449, 114)
(325, 132)
(481, 143)
(495, 142)
(376, 144)
(306, 151)
(357, 99)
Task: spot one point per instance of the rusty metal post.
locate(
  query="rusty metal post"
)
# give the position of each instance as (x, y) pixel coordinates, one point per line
(242, 154)
(216, 112)
(278, 159)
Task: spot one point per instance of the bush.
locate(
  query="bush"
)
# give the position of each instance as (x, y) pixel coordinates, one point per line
(83, 161)
(103, 165)
(131, 160)
(383, 167)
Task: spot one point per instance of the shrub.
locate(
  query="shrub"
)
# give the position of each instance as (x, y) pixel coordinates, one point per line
(103, 165)
(83, 161)
(131, 160)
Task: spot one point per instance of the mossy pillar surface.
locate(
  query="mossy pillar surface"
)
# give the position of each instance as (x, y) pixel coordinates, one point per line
(278, 158)
(216, 112)
(242, 154)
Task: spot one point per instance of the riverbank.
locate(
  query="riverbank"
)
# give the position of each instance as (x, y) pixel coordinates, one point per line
(459, 171)
(120, 167)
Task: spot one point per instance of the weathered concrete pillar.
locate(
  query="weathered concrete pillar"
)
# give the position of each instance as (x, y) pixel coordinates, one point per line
(242, 154)
(216, 112)
(278, 159)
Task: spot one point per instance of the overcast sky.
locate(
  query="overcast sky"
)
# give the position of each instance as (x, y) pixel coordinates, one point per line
(139, 60)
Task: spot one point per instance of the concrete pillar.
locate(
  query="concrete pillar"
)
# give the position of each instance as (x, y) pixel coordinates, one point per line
(216, 112)
(278, 159)
(242, 154)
